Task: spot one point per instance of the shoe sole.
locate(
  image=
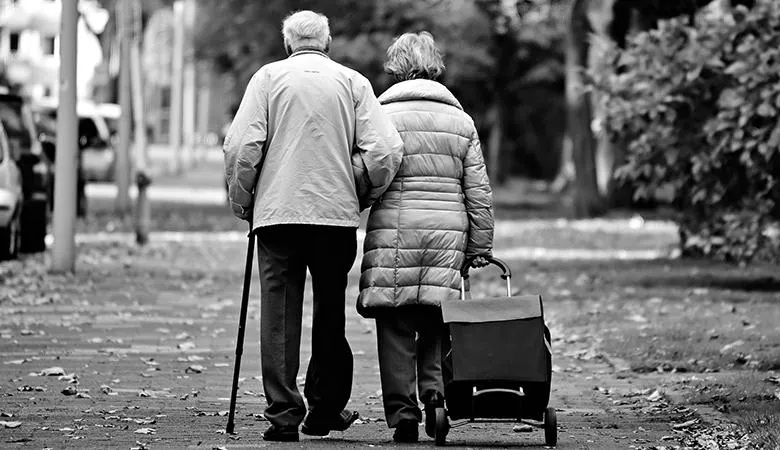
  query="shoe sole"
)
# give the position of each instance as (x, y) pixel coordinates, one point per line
(316, 431)
(290, 438)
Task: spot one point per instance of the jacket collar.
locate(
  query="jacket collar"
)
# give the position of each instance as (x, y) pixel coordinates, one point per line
(308, 50)
(419, 90)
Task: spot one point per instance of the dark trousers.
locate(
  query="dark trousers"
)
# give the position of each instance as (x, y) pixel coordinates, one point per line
(284, 254)
(409, 343)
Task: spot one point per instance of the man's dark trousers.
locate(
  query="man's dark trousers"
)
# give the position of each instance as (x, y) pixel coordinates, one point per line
(284, 254)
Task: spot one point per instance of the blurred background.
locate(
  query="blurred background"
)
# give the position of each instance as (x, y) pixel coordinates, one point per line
(566, 95)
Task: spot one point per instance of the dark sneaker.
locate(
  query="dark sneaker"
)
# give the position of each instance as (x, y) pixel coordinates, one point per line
(281, 434)
(317, 426)
(407, 432)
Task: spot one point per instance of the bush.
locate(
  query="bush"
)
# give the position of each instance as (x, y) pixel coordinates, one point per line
(699, 109)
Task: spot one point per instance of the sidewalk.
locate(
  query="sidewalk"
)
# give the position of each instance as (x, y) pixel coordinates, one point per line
(143, 339)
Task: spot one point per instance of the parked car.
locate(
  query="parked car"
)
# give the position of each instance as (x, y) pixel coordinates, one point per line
(98, 155)
(11, 199)
(35, 168)
(111, 113)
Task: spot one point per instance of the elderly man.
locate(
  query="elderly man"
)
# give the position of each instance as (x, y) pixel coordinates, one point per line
(289, 167)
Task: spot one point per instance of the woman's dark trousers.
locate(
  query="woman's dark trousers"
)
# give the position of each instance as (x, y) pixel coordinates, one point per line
(409, 342)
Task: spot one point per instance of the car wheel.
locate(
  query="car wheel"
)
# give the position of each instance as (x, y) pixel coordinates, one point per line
(10, 238)
(34, 221)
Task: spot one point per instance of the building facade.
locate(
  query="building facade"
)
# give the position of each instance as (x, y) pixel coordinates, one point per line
(29, 45)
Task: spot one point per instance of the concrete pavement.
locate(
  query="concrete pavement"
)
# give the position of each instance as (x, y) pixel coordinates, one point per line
(139, 348)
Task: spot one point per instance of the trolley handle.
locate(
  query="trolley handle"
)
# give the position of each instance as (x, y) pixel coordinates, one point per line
(464, 272)
(465, 285)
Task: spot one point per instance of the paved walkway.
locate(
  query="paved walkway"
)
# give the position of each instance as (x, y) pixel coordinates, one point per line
(144, 340)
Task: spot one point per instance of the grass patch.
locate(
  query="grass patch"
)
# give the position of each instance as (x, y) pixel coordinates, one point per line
(748, 399)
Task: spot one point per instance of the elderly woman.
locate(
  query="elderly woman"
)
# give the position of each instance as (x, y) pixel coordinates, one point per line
(436, 214)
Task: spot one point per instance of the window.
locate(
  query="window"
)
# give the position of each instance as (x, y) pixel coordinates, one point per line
(13, 40)
(48, 44)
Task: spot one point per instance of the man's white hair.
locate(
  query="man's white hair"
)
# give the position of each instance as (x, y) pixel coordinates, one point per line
(306, 29)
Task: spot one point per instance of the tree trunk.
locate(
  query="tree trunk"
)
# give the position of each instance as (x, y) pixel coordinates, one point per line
(505, 47)
(494, 164)
(588, 202)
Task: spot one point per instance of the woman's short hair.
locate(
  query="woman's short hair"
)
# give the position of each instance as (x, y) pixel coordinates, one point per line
(414, 55)
(306, 29)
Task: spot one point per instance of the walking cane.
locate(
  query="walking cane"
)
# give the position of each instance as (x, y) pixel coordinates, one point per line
(241, 325)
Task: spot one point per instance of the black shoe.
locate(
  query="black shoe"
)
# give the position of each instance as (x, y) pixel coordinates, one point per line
(316, 426)
(406, 432)
(432, 401)
(281, 434)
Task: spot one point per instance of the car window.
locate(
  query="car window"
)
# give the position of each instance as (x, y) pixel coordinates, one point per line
(11, 117)
(87, 129)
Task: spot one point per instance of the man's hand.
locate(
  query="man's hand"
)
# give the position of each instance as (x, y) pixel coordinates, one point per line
(479, 261)
(241, 212)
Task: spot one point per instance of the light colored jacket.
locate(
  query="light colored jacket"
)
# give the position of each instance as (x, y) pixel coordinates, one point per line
(293, 138)
(437, 211)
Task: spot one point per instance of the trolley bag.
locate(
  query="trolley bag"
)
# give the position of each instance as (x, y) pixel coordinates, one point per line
(499, 363)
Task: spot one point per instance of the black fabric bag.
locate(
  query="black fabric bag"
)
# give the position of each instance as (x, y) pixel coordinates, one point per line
(499, 346)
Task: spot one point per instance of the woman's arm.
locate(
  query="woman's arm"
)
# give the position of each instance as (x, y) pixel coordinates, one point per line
(479, 201)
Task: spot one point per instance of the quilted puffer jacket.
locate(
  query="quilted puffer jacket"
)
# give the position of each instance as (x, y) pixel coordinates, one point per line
(436, 212)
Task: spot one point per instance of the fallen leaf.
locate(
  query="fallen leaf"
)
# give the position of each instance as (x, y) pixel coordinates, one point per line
(10, 424)
(52, 371)
(655, 396)
(523, 428)
(186, 345)
(70, 390)
(195, 368)
(70, 378)
(728, 347)
(83, 395)
(773, 379)
(145, 421)
(143, 393)
(5, 414)
(686, 424)
(17, 361)
(637, 318)
(106, 389)
(254, 394)
(28, 388)
(145, 431)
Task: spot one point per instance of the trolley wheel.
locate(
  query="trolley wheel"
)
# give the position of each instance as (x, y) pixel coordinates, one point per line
(442, 427)
(550, 427)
